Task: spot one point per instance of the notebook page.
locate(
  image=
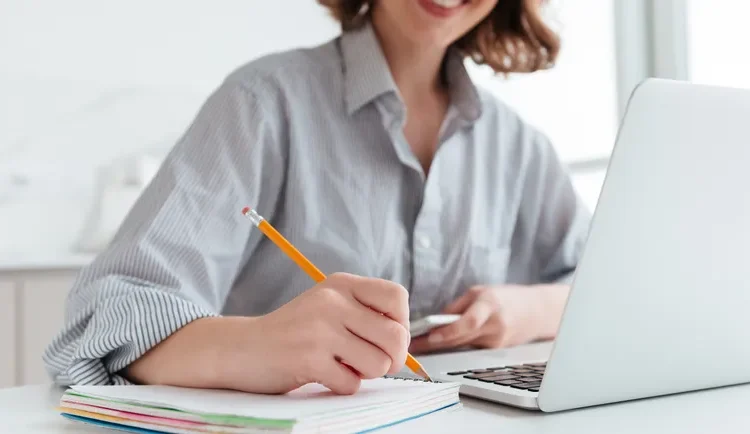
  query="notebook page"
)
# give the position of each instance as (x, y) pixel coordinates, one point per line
(306, 401)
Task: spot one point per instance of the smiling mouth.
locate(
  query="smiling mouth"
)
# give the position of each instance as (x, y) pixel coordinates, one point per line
(449, 4)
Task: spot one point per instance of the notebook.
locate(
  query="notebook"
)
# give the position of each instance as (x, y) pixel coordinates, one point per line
(379, 403)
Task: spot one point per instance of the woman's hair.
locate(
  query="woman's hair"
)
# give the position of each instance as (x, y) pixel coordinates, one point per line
(512, 38)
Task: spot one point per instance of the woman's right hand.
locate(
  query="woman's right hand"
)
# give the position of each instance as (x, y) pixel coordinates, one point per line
(345, 329)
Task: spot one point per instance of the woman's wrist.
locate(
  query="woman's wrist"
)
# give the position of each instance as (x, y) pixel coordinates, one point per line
(233, 337)
(201, 354)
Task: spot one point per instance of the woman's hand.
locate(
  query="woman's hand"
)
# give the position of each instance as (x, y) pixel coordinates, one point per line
(498, 316)
(342, 330)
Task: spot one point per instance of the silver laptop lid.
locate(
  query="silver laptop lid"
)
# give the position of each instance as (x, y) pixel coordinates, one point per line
(661, 298)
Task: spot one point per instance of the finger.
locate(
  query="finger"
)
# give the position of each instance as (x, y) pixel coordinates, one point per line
(460, 304)
(469, 324)
(460, 341)
(386, 297)
(420, 345)
(424, 344)
(367, 359)
(379, 330)
(338, 378)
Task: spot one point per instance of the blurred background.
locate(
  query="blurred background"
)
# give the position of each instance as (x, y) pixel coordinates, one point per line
(93, 94)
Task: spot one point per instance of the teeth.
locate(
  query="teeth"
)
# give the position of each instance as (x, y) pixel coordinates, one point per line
(448, 3)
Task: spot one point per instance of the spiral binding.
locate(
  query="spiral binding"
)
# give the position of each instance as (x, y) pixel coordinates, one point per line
(394, 377)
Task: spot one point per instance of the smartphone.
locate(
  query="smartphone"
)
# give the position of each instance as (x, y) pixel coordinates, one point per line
(423, 326)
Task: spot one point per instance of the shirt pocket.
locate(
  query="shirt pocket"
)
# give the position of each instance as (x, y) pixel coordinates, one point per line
(486, 265)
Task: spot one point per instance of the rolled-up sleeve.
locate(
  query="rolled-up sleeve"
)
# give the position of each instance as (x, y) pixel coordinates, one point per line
(553, 222)
(180, 248)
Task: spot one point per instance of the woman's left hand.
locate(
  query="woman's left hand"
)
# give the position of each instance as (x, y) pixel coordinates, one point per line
(498, 316)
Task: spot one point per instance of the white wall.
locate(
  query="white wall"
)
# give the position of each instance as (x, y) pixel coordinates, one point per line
(151, 42)
(717, 43)
(83, 82)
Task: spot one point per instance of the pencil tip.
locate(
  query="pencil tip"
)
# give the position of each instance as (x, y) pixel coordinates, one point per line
(423, 373)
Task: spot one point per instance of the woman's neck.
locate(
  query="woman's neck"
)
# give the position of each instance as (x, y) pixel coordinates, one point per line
(416, 69)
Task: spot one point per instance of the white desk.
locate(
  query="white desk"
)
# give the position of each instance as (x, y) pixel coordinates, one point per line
(30, 410)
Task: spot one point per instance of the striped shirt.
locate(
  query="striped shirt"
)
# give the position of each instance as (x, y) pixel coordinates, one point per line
(313, 139)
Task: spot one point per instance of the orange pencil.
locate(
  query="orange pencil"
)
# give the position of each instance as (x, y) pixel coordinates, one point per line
(310, 269)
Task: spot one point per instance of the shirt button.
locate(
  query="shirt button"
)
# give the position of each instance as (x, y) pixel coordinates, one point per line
(425, 242)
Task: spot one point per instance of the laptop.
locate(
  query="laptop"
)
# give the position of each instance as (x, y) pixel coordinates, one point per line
(661, 298)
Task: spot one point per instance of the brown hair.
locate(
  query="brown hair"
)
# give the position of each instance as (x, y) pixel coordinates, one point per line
(512, 38)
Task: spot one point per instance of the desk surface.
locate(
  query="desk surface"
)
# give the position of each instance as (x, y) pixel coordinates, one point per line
(30, 410)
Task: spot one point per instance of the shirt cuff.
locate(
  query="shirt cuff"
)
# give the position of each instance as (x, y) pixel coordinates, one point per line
(95, 347)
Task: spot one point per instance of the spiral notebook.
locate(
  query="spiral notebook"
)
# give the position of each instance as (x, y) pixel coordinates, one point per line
(379, 403)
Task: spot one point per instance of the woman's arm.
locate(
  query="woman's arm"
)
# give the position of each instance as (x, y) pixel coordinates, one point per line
(176, 255)
(191, 357)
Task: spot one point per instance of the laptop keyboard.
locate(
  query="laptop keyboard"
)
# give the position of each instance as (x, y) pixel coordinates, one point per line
(525, 377)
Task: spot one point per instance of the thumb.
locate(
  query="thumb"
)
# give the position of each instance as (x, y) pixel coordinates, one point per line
(462, 303)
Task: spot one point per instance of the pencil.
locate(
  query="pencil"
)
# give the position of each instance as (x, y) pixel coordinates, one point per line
(311, 270)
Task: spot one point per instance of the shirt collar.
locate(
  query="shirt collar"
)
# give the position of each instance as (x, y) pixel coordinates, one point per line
(367, 76)
(463, 93)
(366, 73)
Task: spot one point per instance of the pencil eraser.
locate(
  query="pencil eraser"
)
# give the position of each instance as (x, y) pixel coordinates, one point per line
(245, 210)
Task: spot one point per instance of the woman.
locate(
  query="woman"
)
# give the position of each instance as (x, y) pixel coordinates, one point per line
(376, 156)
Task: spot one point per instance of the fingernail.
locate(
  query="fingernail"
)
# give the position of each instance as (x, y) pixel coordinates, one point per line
(435, 338)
